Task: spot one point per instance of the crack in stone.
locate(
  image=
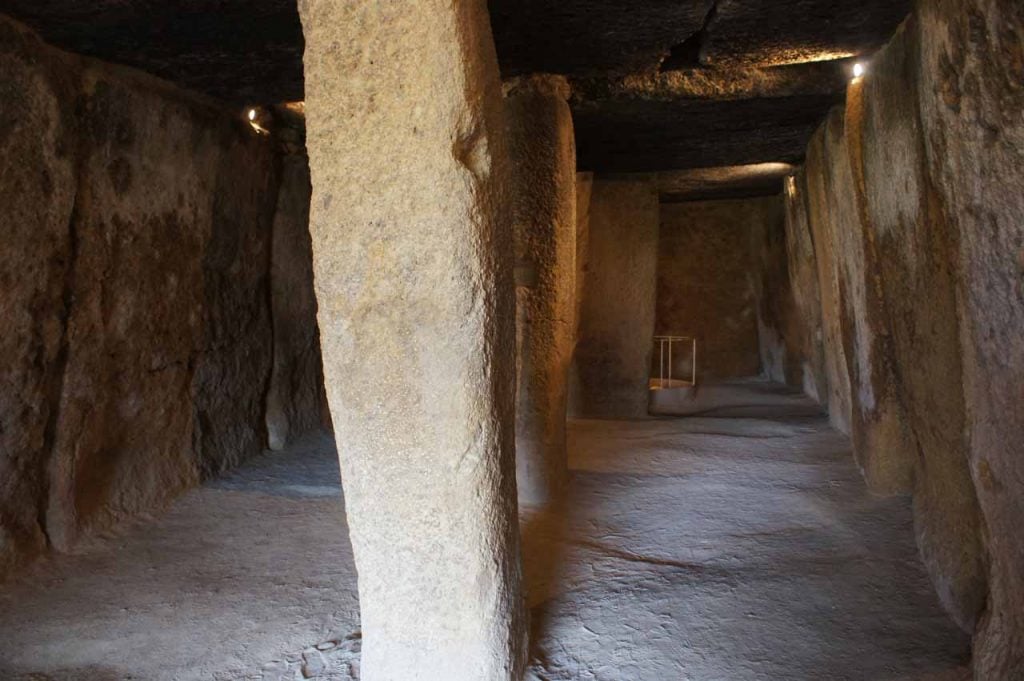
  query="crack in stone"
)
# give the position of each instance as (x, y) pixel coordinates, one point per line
(687, 54)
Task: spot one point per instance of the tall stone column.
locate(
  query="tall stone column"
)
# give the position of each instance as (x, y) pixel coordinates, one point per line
(544, 208)
(412, 258)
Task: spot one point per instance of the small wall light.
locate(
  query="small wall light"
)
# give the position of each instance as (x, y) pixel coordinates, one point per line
(252, 116)
(858, 70)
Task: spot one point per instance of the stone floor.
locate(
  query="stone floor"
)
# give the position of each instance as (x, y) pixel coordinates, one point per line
(706, 549)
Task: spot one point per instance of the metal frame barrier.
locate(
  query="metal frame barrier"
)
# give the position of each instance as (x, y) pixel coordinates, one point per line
(665, 381)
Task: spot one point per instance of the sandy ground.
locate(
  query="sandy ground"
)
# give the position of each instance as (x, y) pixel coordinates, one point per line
(731, 548)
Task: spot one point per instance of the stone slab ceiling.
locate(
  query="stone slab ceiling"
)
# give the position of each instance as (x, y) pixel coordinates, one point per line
(653, 77)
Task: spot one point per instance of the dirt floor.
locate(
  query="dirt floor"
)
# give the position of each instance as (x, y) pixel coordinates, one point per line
(711, 548)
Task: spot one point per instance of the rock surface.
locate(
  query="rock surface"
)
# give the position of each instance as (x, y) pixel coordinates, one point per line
(588, 36)
(412, 251)
(804, 340)
(295, 396)
(797, 31)
(729, 182)
(711, 548)
(912, 270)
(917, 233)
(972, 97)
(882, 442)
(617, 308)
(252, 52)
(37, 197)
(778, 323)
(142, 343)
(705, 257)
(619, 135)
(240, 51)
(544, 209)
(889, 247)
(826, 260)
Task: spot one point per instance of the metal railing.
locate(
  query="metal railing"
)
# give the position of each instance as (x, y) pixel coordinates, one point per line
(668, 343)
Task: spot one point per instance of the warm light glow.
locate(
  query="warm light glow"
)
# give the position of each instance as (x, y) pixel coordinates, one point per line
(791, 185)
(858, 70)
(251, 115)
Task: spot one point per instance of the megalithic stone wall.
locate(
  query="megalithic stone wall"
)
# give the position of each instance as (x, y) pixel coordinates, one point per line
(617, 308)
(914, 202)
(971, 55)
(137, 224)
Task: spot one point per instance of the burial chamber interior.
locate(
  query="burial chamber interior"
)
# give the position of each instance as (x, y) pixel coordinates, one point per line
(335, 340)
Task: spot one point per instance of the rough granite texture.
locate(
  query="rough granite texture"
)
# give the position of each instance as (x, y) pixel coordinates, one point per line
(777, 320)
(544, 209)
(247, 52)
(38, 183)
(296, 402)
(914, 203)
(728, 182)
(882, 441)
(819, 212)
(892, 343)
(584, 189)
(797, 31)
(617, 308)
(412, 251)
(912, 261)
(971, 94)
(167, 340)
(809, 346)
(789, 302)
(136, 279)
(705, 257)
(634, 134)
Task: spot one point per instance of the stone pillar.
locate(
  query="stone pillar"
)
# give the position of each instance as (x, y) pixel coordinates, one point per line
(613, 351)
(544, 207)
(412, 258)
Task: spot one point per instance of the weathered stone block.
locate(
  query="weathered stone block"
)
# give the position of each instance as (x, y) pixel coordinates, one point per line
(819, 211)
(912, 245)
(854, 316)
(613, 352)
(136, 277)
(972, 121)
(168, 334)
(809, 346)
(38, 184)
(295, 398)
(705, 287)
(544, 211)
(412, 250)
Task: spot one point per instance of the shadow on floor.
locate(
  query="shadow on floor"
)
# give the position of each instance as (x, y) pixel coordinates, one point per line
(731, 548)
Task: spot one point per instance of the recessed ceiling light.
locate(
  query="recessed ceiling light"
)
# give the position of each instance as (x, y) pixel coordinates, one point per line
(858, 70)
